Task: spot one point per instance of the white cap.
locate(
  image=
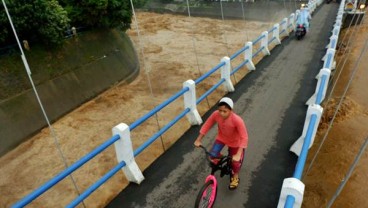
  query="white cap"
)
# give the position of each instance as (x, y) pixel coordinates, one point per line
(228, 101)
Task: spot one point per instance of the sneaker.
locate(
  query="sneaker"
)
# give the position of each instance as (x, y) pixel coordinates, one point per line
(234, 182)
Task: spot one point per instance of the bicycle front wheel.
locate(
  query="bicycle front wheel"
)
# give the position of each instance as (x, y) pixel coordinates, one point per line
(207, 195)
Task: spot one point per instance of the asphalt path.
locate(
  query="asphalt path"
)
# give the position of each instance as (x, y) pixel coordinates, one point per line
(271, 100)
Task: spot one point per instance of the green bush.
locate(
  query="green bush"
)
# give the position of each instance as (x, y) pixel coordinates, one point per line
(47, 21)
(43, 20)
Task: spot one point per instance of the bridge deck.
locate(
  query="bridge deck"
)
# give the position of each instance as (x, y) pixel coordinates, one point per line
(271, 101)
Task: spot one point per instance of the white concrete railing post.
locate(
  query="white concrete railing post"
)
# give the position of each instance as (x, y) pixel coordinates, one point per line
(332, 52)
(190, 101)
(248, 56)
(312, 109)
(285, 25)
(293, 187)
(292, 22)
(264, 43)
(225, 74)
(276, 34)
(336, 30)
(124, 152)
(322, 72)
(332, 38)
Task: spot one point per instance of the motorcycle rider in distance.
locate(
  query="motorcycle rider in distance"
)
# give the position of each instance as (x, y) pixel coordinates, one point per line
(304, 17)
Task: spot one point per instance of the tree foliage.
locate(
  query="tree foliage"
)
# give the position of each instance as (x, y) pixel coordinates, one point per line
(42, 20)
(48, 20)
(99, 13)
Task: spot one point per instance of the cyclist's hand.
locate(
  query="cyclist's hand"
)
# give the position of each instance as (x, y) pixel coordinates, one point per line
(197, 143)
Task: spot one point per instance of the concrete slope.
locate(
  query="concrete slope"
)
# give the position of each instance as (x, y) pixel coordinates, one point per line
(271, 101)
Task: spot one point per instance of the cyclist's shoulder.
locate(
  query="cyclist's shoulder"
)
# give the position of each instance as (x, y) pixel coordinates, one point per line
(235, 117)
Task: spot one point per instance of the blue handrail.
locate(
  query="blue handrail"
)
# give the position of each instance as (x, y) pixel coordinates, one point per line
(29, 198)
(257, 52)
(270, 31)
(289, 201)
(282, 31)
(327, 64)
(160, 132)
(304, 152)
(333, 43)
(258, 39)
(239, 52)
(112, 172)
(320, 90)
(199, 100)
(96, 185)
(272, 39)
(302, 158)
(157, 108)
(204, 76)
(239, 67)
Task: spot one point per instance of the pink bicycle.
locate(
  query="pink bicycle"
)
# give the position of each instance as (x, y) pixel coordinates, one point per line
(207, 194)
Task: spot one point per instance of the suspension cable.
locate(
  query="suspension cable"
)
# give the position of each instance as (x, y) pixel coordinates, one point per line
(146, 69)
(339, 104)
(347, 177)
(345, 50)
(195, 50)
(52, 131)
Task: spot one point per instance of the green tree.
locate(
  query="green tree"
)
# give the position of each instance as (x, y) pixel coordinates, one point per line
(99, 13)
(42, 20)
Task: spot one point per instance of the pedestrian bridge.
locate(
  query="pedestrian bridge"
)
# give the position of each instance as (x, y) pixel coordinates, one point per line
(279, 100)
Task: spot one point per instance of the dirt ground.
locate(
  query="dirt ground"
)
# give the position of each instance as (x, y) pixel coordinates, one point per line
(175, 49)
(347, 134)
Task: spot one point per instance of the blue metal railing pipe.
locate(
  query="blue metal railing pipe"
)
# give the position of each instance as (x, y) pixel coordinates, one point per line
(258, 39)
(112, 172)
(282, 31)
(213, 88)
(304, 152)
(157, 108)
(160, 132)
(204, 76)
(270, 31)
(333, 43)
(328, 61)
(239, 67)
(270, 41)
(302, 158)
(320, 90)
(239, 52)
(96, 185)
(257, 52)
(29, 198)
(290, 200)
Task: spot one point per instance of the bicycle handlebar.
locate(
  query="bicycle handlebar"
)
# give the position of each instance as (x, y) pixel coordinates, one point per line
(210, 154)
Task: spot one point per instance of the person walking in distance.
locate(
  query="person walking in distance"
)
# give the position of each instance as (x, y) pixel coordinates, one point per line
(232, 133)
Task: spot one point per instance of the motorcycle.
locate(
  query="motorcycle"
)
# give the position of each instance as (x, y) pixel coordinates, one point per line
(300, 31)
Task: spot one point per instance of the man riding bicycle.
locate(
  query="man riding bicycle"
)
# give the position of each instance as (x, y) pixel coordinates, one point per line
(232, 132)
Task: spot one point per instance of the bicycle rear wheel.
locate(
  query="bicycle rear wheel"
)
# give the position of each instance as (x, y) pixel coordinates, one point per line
(207, 195)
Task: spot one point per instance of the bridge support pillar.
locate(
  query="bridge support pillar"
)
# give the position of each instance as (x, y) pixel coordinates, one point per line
(124, 152)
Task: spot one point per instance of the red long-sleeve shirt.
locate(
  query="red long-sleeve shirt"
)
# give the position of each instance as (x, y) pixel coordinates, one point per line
(231, 131)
